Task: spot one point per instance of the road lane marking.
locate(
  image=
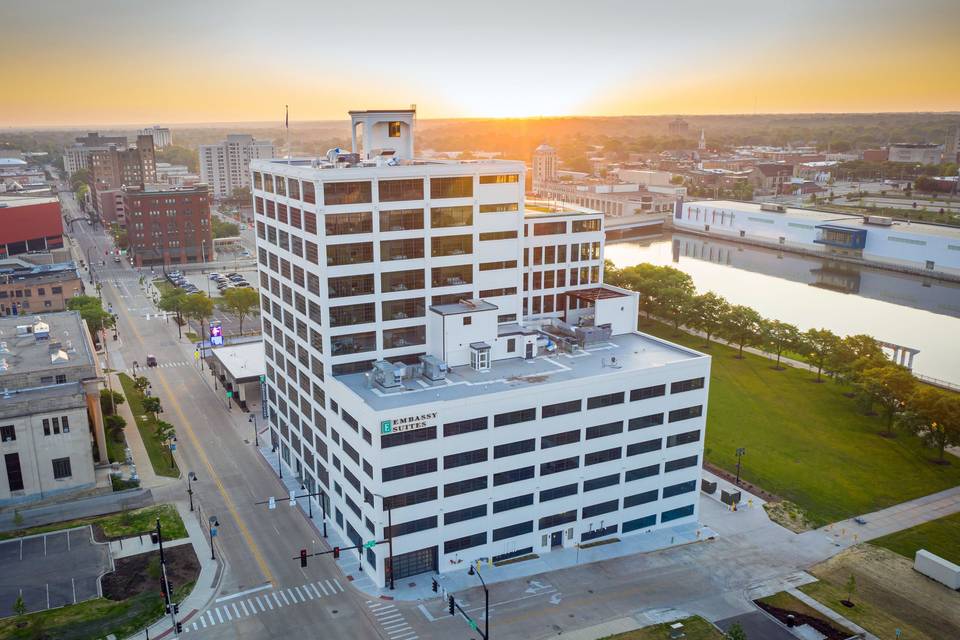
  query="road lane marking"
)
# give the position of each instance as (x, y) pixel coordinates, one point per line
(339, 586)
(269, 602)
(332, 590)
(317, 591)
(243, 605)
(322, 588)
(284, 596)
(227, 611)
(203, 622)
(306, 591)
(219, 616)
(240, 594)
(260, 602)
(172, 399)
(235, 610)
(277, 599)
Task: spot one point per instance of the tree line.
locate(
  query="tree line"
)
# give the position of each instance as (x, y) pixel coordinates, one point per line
(880, 386)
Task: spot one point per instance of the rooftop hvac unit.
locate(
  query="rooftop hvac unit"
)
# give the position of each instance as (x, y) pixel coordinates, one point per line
(387, 375)
(883, 221)
(595, 334)
(773, 207)
(434, 368)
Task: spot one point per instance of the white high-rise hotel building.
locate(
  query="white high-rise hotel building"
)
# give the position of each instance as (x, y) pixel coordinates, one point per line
(439, 347)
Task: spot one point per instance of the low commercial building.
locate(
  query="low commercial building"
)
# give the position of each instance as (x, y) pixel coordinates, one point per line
(168, 225)
(51, 427)
(240, 369)
(926, 247)
(768, 178)
(917, 153)
(29, 224)
(38, 289)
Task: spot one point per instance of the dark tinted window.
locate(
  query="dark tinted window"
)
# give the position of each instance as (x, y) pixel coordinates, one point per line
(557, 466)
(463, 458)
(558, 492)
(514, 475)
(409, 469)
(648, 392)
(680, 463)
(514, 417)
(513, 503)
(600, 508)
(561, 408)
(644, 422)
(606, 455)
(686, 385)
(601, 482)
(686, 413)
(677, 489)
(606, 400)
(644, 447)
(452, 517)
(464, 486)
(642, 472)
(603, 430)
(557, 439)
(464, 426)
(514, 448)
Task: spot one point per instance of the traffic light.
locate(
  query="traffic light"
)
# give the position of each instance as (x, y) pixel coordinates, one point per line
(179, 627)
(303, 557)
(163, 590)
(435, 586)
(336, 552)
(176, 608)
(450, 604)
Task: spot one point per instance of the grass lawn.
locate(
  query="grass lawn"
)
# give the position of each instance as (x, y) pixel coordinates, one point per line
(118, 524)
(92, 619)
(873, 617)
(191, 336)
(146, 425)
(805, 441)
(696, 628)
(941, 536)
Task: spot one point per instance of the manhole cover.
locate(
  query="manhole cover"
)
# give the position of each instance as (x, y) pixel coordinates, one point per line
(411, 584)
(334, 611)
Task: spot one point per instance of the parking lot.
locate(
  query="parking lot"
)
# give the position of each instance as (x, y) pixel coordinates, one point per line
(203, 282)
(52, 569)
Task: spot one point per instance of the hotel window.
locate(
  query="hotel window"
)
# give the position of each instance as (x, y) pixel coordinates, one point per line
(399, 190)
(401, 220)
(352, 314)
(441, 217)
(403, 309)
(451, 245)
(405, 337)
(281, 183)
(687, 437)
(402, 280)
(335, 193)
(350, 286)
(353, 343)
(686, 385)
(685, 413)
(294, 186)
(309, 194)
(394, 128)
(504, 207)
(401, 249)
(495, 266)
(497, 235)
(500, 179)
(309, 221)
(347, 223)
(549, 228)
(457, 187)
(451, 276)
(341, 254)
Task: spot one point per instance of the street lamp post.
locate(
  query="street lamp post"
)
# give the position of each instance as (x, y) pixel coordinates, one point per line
(279, 460)
(191, 478)
(214, 523)
(303, 487)
(256, 438)
(323, 506)
(486, 605)
(740, 452)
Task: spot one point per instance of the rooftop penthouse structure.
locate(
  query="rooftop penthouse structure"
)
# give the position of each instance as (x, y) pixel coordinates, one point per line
(444, 356)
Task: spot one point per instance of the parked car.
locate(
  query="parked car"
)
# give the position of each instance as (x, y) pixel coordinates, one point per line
(215, 276)
(151, 360)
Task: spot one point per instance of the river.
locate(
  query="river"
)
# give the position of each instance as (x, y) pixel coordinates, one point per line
(817, 293)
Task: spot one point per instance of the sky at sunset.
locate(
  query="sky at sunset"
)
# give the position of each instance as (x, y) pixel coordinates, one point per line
(175, 61)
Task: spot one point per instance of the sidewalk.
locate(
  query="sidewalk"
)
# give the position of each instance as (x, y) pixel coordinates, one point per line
(831, 614)
(206, 587)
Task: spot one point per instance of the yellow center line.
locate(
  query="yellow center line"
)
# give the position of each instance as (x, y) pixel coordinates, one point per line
(171, 398)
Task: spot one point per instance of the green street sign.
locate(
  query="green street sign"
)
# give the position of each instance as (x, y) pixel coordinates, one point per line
(229, 394)
(473, 625)
(369, 544)
(263, 378)
(386, 426)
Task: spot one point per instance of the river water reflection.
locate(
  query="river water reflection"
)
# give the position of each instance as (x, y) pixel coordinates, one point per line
(812, 292)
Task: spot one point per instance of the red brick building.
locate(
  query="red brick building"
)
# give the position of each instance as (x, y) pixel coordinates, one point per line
(29, 224)
(168, 225)
(115, 167)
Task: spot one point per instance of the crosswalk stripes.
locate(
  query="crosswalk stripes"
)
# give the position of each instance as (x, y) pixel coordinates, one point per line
(162, 365)
(391, 620)
(276, 599)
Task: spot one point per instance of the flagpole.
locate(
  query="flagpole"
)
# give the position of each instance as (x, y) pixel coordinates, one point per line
(286, 123)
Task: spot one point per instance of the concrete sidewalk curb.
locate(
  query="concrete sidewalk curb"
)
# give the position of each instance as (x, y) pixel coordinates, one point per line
(207, 585)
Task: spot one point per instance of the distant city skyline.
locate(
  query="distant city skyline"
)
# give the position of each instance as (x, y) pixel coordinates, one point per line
(105, 62)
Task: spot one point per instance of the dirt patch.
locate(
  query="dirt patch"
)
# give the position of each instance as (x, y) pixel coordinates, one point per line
(138, 574)
(784, 616)
(889, 583)
(788, 515)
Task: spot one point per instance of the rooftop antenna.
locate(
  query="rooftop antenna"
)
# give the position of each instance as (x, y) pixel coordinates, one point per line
(286, 124)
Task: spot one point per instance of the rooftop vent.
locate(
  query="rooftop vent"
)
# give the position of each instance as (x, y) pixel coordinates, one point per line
(41, 330)
(4, 349)
(434, 368)
(773, 207)
(883, 221)
(387, 375)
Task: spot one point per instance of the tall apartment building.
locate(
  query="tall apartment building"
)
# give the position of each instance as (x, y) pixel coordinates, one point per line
(168, 225)
(51, 426)
(544, 167)
(442, 356)
(161, 136)
(118, 167)
(76, 156)
(226, 166)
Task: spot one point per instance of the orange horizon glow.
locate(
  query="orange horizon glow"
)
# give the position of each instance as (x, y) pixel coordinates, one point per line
(103, 63)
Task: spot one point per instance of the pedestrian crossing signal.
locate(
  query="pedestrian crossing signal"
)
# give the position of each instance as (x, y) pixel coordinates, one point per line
(303, 557)
(436, 586)
(336, 552)
(450, 604)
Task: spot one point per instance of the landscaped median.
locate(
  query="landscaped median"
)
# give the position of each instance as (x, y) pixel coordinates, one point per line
(131, 599)
(807, 442)
(694, 628)
(147, 423)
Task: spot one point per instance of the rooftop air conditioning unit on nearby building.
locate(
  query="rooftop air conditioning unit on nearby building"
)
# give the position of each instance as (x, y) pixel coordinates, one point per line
(387, 375)
(434, 368)
(773, 207)
(883, 221)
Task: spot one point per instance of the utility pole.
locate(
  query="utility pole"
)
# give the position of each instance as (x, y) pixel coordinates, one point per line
(740, 452)
(167, 592)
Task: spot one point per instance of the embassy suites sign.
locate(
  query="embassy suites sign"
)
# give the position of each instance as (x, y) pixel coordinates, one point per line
(408, 423)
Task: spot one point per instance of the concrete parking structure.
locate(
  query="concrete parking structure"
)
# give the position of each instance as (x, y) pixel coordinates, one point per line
(53, 569)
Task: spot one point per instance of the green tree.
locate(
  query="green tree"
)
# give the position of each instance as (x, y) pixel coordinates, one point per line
(140, 383)
(79, 178)
(780, 336)
(676, 305)
(709, 311)
(854, 354)
(92, 311)
(197, 306)
(176, 154)
(938, 423)
(890, 387)
(736, 632)
(819, 345)
(151, 405)
(241, 302)
(106, 405)
(677, 179)
(223, 229)
(115, 426)
(172, 300)
(240, 197)
(742, 327)
(19, 607)
(851, 588)
(165, 434)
